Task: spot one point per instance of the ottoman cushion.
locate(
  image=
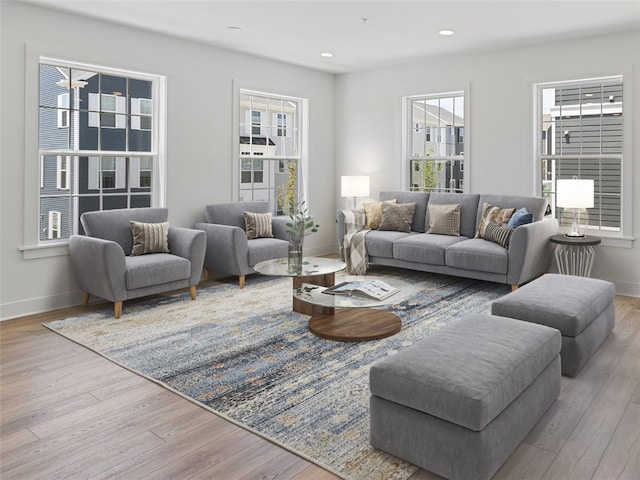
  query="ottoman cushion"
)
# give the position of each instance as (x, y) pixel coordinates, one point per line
(468, 372)
(565, 302)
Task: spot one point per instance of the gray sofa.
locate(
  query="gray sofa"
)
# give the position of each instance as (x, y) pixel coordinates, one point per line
(228, 249)
(103, 266)
(528, 255)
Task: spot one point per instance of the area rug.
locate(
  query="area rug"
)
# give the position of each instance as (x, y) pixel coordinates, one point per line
(246, 356)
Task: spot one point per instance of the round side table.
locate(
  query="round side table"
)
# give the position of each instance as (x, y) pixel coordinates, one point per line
(575, 255)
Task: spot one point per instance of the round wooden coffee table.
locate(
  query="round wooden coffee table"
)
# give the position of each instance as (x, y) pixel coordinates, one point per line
(353, 318)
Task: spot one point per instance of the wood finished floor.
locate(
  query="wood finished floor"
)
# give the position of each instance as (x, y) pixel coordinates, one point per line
(66, 412)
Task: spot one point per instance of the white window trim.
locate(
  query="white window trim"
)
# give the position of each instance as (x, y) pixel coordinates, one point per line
(50, 231)
(624, 238)
(407, 130)
(303, 128)
(60, 172)
(32, 248)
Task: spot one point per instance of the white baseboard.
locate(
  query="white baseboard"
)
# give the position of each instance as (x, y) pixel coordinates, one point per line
(628, 289)
(33, 306)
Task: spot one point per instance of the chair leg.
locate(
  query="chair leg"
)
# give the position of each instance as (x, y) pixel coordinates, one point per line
(192, 291)
(85, 298)
(117, 307)
(514, 288)
(242, 279)
(207, 274)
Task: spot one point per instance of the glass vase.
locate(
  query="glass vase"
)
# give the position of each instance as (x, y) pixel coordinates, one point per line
(295, 256)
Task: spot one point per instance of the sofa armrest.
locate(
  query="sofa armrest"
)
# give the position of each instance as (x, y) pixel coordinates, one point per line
(530, 251)
(340, 228)
(190, 244)
(227, 249)
(279, 225)
(99, 267)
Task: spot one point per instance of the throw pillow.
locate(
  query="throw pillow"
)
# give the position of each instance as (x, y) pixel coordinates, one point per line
(397, 217)
(258, 225)
(149, 238)
(520, 217)
(373, 213)
(444, 219)
(498, 234)
(491, 213)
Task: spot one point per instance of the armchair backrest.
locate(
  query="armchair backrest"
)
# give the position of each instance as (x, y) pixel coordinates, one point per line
(114, 224)
(231, 213)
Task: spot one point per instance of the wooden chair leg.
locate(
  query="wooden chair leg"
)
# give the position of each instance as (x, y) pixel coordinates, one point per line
(207, 274)
(117, 307)
(192, 291)
(85, 298)
(514, 288)
(241, 280)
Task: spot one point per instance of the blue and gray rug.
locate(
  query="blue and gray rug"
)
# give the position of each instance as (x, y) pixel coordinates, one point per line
(247, 356)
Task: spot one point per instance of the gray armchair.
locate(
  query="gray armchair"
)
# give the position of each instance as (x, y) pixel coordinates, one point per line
(228, 249)
(103, 267)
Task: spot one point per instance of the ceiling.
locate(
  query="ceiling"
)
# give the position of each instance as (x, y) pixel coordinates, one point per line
(362, 34)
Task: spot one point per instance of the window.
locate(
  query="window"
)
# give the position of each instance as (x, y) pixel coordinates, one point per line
(579, 127)
(270, 139)
(434, 151)
(54, 225)
(98, 143)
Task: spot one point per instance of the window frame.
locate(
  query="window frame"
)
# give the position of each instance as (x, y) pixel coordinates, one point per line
(32, 246)
(270, 163)
(623, 238)
(409, 126)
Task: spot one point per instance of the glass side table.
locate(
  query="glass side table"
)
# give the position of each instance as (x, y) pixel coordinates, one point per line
(575, 255)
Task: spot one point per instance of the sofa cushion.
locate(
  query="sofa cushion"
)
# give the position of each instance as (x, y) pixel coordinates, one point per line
(149, 237)
(258, 225)
(155, 269)
(498, 234)
(261, 249)
(520, 217)
(373, 213)
(424, 248)
(491, 213)
(380, 243)
(468, 372)
(444, 219)
(397, 217)
(479, 255)
(468, 208)
(419, 198)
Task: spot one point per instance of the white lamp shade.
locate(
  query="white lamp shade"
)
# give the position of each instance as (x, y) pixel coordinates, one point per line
(354, 186)
(574, 193)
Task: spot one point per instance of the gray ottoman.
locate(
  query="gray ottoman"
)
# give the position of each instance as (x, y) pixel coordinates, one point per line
(581, 308)
(459, 402)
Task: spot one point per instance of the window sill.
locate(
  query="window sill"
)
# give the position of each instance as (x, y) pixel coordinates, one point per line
(32, 252)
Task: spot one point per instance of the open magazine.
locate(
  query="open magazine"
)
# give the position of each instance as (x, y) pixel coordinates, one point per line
(375, 289)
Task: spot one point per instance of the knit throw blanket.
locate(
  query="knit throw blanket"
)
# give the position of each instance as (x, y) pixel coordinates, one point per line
(354, 251)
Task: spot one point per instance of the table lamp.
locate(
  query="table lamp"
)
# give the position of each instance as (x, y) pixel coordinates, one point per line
(355, 186)
(574, 194)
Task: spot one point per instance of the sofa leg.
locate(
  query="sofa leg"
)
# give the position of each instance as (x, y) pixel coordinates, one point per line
(514, 288)
(117, 307)
(241, 280)
(192, 291)
(85, 298)
(207, 274)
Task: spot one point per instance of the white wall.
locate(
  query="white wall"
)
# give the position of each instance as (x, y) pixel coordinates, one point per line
(499, 95)
(200, 80)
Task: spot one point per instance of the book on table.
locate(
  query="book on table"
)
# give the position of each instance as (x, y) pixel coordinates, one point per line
(374, 289)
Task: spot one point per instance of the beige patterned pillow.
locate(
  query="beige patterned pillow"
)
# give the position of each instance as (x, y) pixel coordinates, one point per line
(373, 213)
(444, 219)
(491, 213)
(397, 217)
(258, 225)
(149, 238)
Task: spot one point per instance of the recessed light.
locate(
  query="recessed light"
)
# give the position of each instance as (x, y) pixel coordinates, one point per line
(446, 32)
(326, 54)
